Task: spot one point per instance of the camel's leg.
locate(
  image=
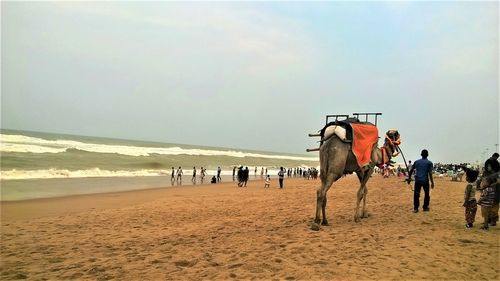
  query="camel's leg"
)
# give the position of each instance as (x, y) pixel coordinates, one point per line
(360, 195)
(329, 181)
(364, 212)
(323, 210)
(363, 177)
(367, 175)
(321, 198)
(319, 202)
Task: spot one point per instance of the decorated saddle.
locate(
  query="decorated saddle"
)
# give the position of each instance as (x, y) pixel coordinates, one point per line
(362, 135)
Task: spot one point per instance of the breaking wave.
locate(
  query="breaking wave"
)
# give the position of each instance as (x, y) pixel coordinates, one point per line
(95, 172)
(61, 173)
(26, 144)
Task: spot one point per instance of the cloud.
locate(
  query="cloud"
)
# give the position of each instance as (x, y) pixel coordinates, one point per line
(464, 38)
(262, 41)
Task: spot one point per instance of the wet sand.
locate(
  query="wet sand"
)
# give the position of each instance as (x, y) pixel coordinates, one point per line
(221, 232)
(15, 190)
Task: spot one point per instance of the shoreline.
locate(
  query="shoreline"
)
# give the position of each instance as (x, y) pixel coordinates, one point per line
(34, 208)
(29, 189)
(76, 203)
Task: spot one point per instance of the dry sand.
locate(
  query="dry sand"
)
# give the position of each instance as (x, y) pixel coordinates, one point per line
(221, 232)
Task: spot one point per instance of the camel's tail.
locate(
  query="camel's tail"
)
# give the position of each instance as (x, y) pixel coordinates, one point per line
(323, 161)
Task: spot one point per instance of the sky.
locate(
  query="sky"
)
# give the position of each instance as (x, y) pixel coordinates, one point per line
(255, 75)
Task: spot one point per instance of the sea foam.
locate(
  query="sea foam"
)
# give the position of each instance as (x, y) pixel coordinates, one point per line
(26, 144)
(98, 173)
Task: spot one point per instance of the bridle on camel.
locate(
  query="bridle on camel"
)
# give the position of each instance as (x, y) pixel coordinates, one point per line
(398, 150)
(394, 144)
(409, 178)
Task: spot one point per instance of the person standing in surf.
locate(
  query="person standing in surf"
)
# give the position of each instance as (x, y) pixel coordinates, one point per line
(246, 174)
(202, 174)
(179, 174)
(218, 174)
(281, 176)
(193, 179)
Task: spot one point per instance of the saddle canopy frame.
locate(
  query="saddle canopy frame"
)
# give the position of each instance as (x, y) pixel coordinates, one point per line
(345, 118)
(336, 117)
(356, 116)
(375, 114)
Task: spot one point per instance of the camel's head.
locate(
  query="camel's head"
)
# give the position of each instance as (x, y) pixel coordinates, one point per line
(392, 141)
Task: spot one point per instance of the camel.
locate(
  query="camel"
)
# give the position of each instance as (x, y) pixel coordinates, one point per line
(337, 159)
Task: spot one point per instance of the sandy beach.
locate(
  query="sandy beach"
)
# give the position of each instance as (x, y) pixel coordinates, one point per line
(221, 232)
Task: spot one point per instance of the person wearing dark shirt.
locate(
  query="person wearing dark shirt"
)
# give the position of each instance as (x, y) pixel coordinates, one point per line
(218, 174)
(281, 176)
(246, 173)
(193, 179)
(491, 175)
(491, 165)
(423, 174)
(240, 176)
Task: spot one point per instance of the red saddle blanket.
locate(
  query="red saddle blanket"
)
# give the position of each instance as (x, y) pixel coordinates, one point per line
(364, 137)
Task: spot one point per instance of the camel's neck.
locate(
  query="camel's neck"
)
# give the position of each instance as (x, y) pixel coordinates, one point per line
(382, 155)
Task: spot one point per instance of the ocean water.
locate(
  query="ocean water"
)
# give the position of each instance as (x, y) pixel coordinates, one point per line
(32, 155)
(41, 165)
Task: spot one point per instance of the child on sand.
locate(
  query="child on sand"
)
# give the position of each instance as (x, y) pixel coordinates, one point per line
(268, 182)
(486, 200)
(470, 197)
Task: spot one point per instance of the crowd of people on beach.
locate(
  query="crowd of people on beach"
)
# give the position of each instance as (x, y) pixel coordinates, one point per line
(176, 176)
(242, 174)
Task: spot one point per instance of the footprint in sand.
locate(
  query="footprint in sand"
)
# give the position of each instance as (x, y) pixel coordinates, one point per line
(185, 263)
(235, 265)
(95, 270)
(56, 260)
(467, 241)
